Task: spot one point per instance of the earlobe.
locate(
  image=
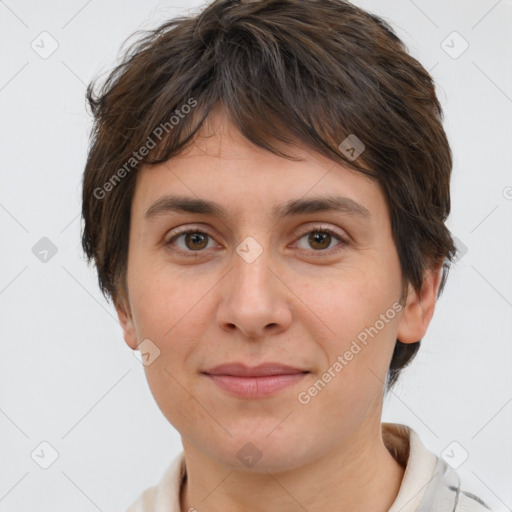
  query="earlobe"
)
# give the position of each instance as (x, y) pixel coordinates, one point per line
(419, 308)
(125, 319)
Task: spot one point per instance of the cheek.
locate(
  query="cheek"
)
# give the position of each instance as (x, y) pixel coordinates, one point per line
(350, 386)
(160, 299)
(170, 318)
(168, 311)
(359, 311)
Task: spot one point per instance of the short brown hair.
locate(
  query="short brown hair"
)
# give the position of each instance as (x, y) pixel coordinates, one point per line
(314, 71)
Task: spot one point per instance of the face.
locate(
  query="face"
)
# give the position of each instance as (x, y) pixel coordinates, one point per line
(251, 286)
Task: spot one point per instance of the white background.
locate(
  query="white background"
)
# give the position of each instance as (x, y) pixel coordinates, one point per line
(66, 375)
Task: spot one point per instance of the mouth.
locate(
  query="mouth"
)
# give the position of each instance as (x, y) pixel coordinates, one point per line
(259, 381)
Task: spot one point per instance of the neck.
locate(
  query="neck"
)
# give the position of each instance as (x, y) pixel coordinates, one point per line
(355, 476)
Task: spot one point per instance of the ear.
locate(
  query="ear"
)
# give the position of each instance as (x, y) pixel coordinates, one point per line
(125, 319)
(419, 308)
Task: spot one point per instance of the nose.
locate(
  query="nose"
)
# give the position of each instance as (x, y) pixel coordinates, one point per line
(254, 299)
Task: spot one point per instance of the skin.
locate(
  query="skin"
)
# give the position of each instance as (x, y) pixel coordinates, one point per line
(298, 303)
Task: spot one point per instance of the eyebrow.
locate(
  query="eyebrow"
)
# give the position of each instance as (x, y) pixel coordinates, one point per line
(183, 204)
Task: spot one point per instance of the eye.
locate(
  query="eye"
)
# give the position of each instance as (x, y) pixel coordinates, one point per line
(191, 241)
(321, 239)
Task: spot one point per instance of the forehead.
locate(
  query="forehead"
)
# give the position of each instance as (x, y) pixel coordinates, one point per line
(224, 167)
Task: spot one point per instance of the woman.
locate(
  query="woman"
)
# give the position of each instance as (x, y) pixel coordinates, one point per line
(265, 200)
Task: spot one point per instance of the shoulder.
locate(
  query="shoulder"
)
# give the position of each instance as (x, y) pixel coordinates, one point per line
(468, 502)
(429, 484)
(145, 501)
(446, 492)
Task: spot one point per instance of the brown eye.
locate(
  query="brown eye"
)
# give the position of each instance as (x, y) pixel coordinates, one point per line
(195, 241)
(189, 242)
(319, 239)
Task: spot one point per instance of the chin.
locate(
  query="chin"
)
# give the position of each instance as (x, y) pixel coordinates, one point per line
(261, 453)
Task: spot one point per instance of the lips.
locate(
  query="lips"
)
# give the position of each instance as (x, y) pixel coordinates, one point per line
(251, 382)
(262, 370)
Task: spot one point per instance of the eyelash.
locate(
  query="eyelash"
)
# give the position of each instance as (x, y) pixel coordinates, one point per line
(317, 229)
